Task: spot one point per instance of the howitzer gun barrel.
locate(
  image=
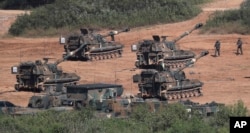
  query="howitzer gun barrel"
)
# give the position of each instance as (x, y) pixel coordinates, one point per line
(197, 26)
(112, 33)
(70, 54)
(202, 54)
(191, 62)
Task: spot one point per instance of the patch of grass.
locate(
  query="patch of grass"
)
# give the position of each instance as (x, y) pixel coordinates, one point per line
(227, 28)
(232, 21)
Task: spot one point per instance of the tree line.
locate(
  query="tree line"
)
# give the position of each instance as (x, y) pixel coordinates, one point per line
(23, 4)
(72, 14)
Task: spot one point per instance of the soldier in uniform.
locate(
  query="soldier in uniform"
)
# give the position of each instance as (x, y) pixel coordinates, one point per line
(217, 48)
(239, 47)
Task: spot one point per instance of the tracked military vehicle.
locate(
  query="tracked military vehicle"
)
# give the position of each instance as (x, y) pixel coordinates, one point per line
(98, 95)
(108, 101)
(94, 46)
(42, 75)
(150, 52)
(166, 84)
(207, 109)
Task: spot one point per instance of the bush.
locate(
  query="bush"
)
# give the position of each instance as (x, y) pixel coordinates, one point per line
(221, 120)
(171, 118)
(48, 121)
(224, 21)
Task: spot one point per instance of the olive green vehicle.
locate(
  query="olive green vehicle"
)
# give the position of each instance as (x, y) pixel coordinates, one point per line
(96, 95)
(8, 108)
(94, 46)
(167, 84)
(207, 109)
(41, 75)
(150, 52)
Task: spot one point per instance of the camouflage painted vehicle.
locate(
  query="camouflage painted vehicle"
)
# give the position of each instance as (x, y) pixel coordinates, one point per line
(124, 107)
(207, 109)
(150, 52)
(41, 75)
(119, 107)
(94, 46)
(167, 84)
(8, 108)
(105, 99)
(96, 95)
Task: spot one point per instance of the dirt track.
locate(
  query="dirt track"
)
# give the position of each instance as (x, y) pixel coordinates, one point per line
(226, 77)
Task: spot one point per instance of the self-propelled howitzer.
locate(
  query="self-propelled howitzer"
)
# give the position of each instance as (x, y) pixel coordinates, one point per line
(150, 52)
(40, 75)
(94, 46)
(167, 84)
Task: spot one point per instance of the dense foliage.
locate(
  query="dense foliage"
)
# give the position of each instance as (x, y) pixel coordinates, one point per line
(232, 21)
(104, 14)
(23, 4)
(171, 119)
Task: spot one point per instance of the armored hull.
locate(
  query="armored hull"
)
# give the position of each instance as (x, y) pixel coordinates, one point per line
(97, 95)
(187, 88)
(63, 78)
(177, 58)
(96, 52)
(178, 55)
(167, 85)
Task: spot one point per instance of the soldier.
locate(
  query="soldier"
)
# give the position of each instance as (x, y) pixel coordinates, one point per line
(217, 48)
(239, 47)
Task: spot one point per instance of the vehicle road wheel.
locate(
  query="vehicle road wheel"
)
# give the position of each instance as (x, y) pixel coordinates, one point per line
(17, 88)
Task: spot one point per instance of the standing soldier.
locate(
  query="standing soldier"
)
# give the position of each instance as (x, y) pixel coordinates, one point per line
(217, 48)
(239, 46)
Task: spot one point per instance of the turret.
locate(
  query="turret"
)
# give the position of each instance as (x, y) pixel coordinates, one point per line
(171, 44)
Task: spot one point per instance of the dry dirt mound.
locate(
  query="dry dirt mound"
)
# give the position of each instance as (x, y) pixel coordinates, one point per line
(226, 77)
(7, 17)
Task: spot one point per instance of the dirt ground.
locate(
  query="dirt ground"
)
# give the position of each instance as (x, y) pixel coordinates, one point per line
(226, 78)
